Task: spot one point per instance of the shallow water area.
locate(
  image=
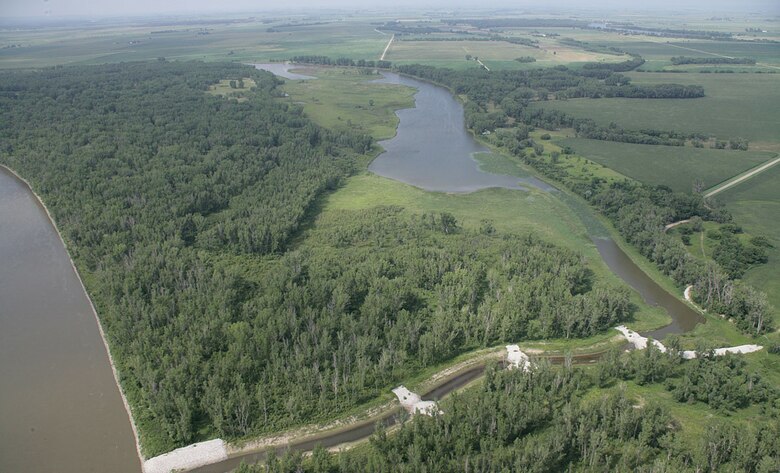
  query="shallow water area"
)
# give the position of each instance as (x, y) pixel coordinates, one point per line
(282, 69)
(433, 150)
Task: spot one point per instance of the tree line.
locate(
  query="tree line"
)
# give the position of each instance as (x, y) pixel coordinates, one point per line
(680, 60)
(513, 91)
(341, 61)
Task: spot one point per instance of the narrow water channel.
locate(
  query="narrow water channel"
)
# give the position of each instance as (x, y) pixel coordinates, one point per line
(60, 409)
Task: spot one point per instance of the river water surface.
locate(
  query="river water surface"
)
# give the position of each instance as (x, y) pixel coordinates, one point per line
(60, 409)
(432, 149)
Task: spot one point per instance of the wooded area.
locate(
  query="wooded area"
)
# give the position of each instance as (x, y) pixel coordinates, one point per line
(179, 208)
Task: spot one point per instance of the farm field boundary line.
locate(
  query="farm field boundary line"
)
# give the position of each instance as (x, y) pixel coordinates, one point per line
(382, 58)
(741, 178)
(710, 53)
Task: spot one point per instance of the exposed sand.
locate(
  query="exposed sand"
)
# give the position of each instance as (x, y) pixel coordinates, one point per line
(674, 224)
(687, 294)
(413, 403)
(186, 458)
(640, 343)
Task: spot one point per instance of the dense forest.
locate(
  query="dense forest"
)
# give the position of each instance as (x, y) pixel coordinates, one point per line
(573, 419)
(638, 211)
(231, 307)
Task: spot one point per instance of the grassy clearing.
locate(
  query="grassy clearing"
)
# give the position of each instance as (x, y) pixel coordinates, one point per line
(225, 89)
(694, 418)
(676, 167)
(342, 98)
(736, 105)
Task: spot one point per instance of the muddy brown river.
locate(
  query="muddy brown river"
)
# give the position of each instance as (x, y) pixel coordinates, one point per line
(60, 410)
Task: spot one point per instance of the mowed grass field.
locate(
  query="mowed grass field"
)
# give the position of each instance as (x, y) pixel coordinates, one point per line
(736, 105)
(676, 167)
(755, 204)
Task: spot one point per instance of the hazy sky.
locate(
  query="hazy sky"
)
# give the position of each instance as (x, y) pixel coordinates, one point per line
(56, 8)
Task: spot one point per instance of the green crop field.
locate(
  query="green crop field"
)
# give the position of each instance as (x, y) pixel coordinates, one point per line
(676, 167)
(254, 41)
(495, 54)
(755, 205)
(768, 53)
(736, 105)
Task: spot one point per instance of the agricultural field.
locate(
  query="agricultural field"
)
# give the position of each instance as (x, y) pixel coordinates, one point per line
(494, 54)
(658, 52)
(755, 205)
(676, 167)
(735, 105)
(246, 41)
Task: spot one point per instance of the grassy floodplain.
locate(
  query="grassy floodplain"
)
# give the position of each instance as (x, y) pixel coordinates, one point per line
(338, 97)
(342, 98)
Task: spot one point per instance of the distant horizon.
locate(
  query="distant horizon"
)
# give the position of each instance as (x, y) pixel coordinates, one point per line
(85, 9)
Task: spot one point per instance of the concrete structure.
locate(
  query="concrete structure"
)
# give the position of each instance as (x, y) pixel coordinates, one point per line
(516, 358)
(640, 343)
(413, 402)
(189, 457)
